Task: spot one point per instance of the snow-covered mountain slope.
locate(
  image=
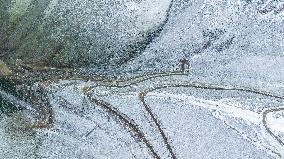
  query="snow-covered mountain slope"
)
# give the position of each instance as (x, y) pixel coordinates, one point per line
(78, 32)
(233, 46)
(198, 123)
(233, 41)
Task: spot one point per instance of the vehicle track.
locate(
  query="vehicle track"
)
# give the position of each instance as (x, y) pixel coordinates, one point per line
(122, 83)
(117, 83)
(264, 121)
(64, 105)
(127, 121)
(135, 80)
(144, 93)
(165, 139)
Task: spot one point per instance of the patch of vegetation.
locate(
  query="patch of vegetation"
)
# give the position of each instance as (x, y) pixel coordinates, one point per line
(58, 56)
(7, 107)
(8, 86)
(14, 20)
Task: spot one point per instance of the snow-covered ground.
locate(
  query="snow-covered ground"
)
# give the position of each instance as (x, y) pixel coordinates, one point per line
(235, 116)
(229, 43)
(209, 123)
(198, 123)
(275, 121)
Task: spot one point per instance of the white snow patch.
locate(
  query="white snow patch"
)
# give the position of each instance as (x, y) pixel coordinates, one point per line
(237, 112)
(275, 123)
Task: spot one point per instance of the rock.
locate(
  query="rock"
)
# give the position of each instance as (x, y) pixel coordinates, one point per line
(4, 70)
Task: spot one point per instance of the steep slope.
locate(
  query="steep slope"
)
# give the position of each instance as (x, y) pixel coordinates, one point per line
(78, 32)
(223, 39)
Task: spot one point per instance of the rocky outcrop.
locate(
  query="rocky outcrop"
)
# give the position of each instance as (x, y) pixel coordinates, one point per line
(4, 70)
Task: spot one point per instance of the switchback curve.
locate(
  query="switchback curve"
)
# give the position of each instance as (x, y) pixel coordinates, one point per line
(143, 94)
(133, 80)
(264, 121)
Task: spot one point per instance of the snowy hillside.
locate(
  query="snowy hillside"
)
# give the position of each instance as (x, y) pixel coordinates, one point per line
(228, 40)
(229, 104)
(78, 33)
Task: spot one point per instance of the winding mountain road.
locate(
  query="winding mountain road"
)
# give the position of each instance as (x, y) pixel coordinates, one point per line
(143, 94)
(134, 127)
